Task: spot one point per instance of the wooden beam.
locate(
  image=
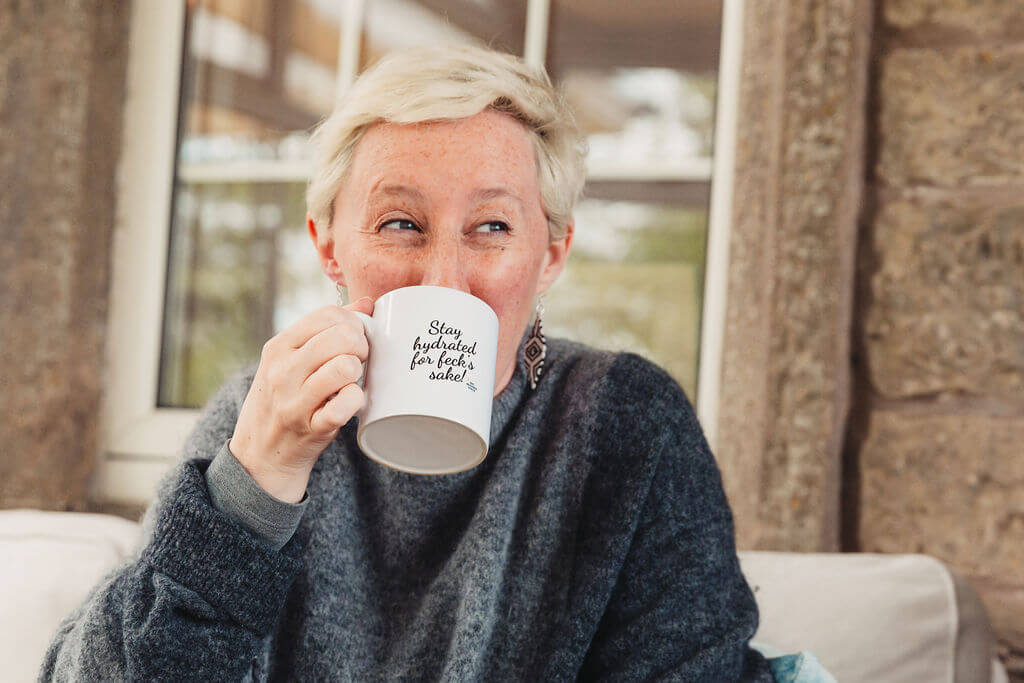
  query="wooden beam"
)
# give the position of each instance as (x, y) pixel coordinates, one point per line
(254, 97)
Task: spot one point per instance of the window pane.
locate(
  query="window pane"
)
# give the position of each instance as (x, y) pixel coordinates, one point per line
(241, 268)
(634, 279)
(257, 75)
(392, 24)
(641, 76)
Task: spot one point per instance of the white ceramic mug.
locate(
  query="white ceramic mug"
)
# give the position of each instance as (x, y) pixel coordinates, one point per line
(428, 380)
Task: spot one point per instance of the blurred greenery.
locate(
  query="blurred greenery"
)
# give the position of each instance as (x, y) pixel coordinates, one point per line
(223, 277)
(634, 282)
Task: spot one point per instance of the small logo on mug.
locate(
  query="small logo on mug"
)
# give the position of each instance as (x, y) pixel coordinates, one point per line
(471, 386)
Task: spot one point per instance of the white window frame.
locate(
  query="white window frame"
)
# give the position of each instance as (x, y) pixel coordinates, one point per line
(140, 440)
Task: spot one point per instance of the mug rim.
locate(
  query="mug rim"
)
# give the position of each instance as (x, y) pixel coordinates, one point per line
(446, 289)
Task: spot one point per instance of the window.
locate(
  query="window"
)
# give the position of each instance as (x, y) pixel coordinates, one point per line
(641, 79)
(211, 253)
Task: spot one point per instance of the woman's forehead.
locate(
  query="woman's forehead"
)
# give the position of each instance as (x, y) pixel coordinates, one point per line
(490, 149)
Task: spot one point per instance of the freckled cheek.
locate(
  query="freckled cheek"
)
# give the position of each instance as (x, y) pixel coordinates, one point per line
(507, 291)
(376, 273)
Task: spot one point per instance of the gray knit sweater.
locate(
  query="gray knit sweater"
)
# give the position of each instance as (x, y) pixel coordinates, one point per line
(594, 542)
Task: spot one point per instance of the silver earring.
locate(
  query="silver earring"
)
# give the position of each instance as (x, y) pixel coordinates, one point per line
(342, 294)
(536, 348)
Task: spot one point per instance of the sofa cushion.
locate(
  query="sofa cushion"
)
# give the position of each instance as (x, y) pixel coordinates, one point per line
(871, 617)
(51, 560)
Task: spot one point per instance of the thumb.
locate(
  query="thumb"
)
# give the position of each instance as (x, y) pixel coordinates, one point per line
(364, 305)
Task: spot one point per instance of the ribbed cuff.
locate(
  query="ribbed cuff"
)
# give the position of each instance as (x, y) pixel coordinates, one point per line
(235, 493)
(205, 551)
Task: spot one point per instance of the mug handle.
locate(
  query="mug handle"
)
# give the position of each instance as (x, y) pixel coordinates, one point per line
(367, 322)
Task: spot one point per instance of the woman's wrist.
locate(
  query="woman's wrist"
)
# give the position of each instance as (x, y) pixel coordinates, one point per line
(286, 486)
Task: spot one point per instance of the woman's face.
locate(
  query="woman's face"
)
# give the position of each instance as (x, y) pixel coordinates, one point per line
(449, 203)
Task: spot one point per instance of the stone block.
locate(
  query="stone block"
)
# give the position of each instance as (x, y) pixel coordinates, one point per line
(946, 308)
(950, 486)
(63, 69)
(796, 196)
(743, 412)
(972, 17)
(952, 118)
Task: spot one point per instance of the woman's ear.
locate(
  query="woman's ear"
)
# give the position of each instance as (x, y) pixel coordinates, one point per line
(554, 258)
(323, 242)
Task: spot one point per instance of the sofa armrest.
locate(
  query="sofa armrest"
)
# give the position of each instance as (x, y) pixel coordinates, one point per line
(873, 617)
(51, 562)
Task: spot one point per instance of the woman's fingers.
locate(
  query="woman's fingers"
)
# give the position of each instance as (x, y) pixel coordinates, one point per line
(328, 379)
(338, 410)
(306, 327)
(345, 337)
(303, 329)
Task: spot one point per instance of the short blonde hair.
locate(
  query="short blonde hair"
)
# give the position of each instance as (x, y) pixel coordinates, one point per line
(439, 83)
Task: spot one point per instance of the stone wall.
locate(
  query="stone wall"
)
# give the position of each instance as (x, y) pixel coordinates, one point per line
(940, 309)
(786, 369)
(62, 66)
(881, 409)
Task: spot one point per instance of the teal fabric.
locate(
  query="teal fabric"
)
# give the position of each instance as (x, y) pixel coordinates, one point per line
(801, 667)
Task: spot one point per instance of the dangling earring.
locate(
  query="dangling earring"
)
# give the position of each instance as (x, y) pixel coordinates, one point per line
(342, 294)
(535, 349)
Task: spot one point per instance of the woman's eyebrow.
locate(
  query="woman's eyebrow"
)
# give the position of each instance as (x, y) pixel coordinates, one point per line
(487, 193)
(396, 190)
(480, 195)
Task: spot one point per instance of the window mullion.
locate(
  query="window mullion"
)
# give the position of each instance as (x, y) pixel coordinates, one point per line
(709, 366)
(536, 38)
(695, 169)
(350, 44)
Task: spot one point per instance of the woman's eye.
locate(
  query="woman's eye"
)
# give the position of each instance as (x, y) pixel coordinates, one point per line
(400, 224)
(492, 226)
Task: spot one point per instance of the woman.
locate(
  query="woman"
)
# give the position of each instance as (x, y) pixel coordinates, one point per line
(595, 540)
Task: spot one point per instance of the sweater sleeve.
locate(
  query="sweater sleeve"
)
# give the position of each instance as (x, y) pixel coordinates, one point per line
(681, 608)
(235, 493)
(197, 602)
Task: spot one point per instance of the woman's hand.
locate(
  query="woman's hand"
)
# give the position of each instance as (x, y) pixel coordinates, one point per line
(304, 391)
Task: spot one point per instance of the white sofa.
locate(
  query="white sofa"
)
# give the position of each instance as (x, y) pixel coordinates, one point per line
(865, 617)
